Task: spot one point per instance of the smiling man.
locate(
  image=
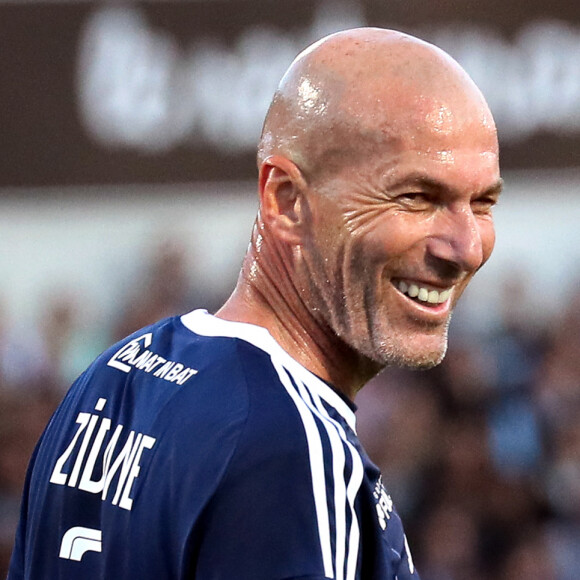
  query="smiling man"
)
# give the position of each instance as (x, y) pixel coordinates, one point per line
(378, 173)
(224, 447)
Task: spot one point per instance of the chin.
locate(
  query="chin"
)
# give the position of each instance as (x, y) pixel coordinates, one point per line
(422, 353)
(423, 364)
(415, 361)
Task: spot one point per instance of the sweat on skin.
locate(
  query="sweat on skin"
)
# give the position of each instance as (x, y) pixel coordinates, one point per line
(378, 174)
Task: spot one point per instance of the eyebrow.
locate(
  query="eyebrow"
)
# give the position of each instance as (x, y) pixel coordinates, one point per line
(497, 188)
(434, 184)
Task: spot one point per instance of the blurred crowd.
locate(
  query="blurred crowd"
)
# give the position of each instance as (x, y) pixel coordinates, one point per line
(481, 455)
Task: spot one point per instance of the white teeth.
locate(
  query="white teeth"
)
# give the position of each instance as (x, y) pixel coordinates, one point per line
(423, 294)
(433, 297)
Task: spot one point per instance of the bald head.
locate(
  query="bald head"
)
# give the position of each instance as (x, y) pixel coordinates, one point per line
(356, 89)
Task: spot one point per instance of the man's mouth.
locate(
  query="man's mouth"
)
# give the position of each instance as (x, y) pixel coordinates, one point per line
(426, 294)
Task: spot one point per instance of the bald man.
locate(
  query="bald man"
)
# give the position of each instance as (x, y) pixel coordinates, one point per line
(224, 447)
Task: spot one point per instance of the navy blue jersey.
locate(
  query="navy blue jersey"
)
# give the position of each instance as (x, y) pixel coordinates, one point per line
(198, 449)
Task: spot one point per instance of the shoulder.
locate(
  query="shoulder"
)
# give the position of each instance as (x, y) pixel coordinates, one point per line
(163, 380)
(169, 357)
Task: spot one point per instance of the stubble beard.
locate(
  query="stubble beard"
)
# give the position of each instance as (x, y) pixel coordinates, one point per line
(372, 334)
(393, 348)
(386, 342)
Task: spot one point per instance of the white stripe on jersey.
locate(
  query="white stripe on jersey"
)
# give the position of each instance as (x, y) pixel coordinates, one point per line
(338, 465)
(335, 429)
(320, 388)
(307, 396)
(316, 455)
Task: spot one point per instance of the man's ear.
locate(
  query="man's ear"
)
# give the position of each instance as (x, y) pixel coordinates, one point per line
(282, 202)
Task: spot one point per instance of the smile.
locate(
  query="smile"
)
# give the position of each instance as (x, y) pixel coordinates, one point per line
(422, 293)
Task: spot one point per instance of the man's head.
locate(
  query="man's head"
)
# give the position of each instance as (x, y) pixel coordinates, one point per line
(378, 171)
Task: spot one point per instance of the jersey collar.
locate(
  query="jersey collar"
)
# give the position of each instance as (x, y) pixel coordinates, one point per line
(205, 324)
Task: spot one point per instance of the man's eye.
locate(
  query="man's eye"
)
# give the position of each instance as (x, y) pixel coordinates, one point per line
(415, 198)
(484, 204)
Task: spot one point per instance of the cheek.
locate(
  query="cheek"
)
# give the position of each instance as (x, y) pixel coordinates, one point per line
(395, 237)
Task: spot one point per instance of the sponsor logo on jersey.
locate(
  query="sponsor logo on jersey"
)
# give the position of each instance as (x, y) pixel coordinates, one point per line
(87, 454)
(384, 503)
(77, 541)
(135, 355)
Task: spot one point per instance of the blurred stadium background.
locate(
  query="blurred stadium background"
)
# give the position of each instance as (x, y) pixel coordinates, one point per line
(127, 193)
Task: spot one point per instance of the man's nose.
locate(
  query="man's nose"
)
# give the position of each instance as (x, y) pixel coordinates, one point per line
(456, 239)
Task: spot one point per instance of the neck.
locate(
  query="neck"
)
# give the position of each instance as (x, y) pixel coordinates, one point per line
(266, 296)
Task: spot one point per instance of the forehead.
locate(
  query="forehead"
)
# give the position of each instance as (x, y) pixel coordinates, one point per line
(460, 173)
(462, 161)
(462, 158)
(433, 130)
(454, 118)
(468, 154)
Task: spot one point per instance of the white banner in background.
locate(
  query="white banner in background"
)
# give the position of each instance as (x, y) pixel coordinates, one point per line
(137, 88)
